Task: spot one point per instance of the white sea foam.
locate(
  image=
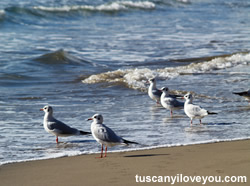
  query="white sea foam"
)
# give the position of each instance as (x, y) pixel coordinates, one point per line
(77, 153)
(135, 78)
(114, 6)
(183, 1)
(2, 12)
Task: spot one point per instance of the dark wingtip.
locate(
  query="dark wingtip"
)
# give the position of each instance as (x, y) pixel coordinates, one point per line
(237, 93)
(241, 93)
(211, 112)
(84, 133)
(129, 142)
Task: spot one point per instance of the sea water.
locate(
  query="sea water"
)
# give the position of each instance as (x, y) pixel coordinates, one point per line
(87, 57)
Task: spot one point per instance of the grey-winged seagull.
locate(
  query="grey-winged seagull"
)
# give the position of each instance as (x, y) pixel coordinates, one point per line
(104, 135)
(169, 102)
(153, 92)
(56, 127)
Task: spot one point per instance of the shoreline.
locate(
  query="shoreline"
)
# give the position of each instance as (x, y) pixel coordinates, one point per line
(128, 150)
(229, 158)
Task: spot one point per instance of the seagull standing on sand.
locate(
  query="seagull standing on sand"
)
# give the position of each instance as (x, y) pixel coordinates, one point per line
(153, 92)
(245, 94)
(104, 135)
(194, 111)
(56, 127)
(169, 102)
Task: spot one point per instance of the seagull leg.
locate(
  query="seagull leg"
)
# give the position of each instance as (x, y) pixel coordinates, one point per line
(106, 149)
(171, 113)
(200, 122)
(101, 152)
(191, 122)
(56, 139)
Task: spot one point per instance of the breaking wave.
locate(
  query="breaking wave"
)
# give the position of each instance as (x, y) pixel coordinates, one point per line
(136, 78)
(109, 7)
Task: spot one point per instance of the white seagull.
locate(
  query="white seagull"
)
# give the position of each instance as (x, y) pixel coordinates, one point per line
(56, 127)
(169, 102)
(104, 135)
(194, 111)
(245, 94)
(153, 92)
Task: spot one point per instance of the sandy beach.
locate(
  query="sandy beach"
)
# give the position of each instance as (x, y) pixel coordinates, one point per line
(216, 159)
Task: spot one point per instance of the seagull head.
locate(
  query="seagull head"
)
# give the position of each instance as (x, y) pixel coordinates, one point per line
(188, 97)
(97, 118)
(151, 80)
(165, 90)
(47, 109)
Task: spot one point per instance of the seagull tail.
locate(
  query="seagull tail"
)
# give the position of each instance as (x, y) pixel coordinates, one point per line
(211, 112)
(237, 93)
(240, 93)
(129, 142)
(84, 133)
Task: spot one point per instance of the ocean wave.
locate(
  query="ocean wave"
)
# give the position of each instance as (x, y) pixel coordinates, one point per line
(136, 78)
(45, 11)
(110, 7)
(60, 57)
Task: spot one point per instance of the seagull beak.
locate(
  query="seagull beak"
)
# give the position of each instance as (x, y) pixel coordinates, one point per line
(41, 109)
(89, 119)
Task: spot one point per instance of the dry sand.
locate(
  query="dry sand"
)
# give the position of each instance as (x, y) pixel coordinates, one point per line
(217, 159)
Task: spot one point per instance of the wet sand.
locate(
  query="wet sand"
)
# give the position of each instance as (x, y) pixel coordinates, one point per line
(216, 159)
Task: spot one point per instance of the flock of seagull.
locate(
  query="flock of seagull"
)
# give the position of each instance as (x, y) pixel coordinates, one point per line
(107, 137)
(171, 103)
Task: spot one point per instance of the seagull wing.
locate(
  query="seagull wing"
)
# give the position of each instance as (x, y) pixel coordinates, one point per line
(104, 133)
(157, 92)
(61, 128)
(196, 110)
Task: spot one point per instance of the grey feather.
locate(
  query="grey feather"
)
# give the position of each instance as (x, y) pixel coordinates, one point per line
(157, 92)
(106, 134)
(61, 128)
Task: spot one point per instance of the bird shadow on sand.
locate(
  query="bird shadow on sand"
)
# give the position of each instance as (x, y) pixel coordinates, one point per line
(144, 155)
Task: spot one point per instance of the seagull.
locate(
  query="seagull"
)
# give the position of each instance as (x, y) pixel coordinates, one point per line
(245, 94)
(104, 135)
(194, 111)
(153, 92)
(56, 127)
(170, 102)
